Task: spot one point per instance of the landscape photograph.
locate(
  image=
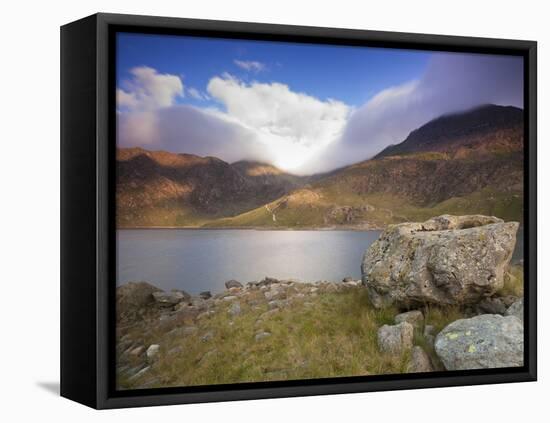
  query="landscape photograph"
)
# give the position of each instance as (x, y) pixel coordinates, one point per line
(293, 211)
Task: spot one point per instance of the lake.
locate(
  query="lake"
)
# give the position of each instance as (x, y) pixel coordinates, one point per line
(202, 260)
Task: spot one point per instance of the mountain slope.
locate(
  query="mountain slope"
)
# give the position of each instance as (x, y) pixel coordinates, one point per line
(469, 162)
(156, 188)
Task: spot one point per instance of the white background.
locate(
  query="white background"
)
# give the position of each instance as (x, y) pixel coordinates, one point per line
(29, 239)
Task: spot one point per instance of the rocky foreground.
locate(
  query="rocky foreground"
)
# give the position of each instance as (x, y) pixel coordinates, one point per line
(440, 295)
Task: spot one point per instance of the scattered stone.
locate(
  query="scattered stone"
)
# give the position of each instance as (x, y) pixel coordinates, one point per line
(186, 311)
(139, 373)
(205, 295)
(205, 314)
(268, 281)
(200, 303)
(508, 300)
(233, 284)
(274, 304)
(207, 336)
(347, 279)
(491, 306)
(152, 352)
(262, 335)
(395, 339)
(275, 293)
(175, 350)
(230, 298)
(446, 260)
(137, 351)
(170, 298)
(268, 314)
(420, 361)
(516, 310)
(235, 309)
(132, 297)
(414, 317)
(481, 342)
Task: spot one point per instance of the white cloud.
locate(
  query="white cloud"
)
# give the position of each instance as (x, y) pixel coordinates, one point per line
(299, 132)
(196, 94)
(452, 82)
(149, 90)
(250, 65)
(294, 126)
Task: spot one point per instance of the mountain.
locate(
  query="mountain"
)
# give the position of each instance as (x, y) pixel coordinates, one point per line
(479, 130)
(157, 188)
(470, 162)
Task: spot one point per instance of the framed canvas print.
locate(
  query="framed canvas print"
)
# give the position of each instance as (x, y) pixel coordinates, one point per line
(254, 211)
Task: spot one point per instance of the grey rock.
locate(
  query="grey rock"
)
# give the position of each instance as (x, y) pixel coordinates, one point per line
(170, 298)
(491, 306)
(394, 339)
(262, 335)
(233, 284)
(152, 352)
(420, 361)
(186, 312)
(133, 296)
(205, 295)
(235, 309)
(273, 304)
(447, 260)
(139, 373)
(516, 309)
(268, 281)
(481, 342)
(347, 279)
(414, 317)
(137, 351)
(275, 293)
(207, 336)
(508, 300)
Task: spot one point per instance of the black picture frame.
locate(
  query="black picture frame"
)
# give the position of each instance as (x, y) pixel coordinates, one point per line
(88, 224)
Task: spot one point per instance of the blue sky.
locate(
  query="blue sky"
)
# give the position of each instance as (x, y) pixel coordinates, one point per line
(350, 74)
(305, 108)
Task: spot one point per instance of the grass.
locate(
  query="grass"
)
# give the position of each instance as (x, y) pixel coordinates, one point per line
(332, 334)
(386, 209)
(327, 334)
(513, 282)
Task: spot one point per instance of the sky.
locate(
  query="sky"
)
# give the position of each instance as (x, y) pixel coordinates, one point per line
(305, 108)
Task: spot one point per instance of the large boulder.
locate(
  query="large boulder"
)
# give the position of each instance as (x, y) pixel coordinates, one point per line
(132, 297)
(481, 342)
(446, 260)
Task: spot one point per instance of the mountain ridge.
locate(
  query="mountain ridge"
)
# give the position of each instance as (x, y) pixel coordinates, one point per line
(465, 162)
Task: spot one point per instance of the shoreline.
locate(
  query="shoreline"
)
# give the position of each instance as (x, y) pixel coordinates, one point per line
(255, 228)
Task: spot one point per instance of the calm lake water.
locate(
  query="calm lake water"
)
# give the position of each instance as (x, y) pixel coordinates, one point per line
(200, 260)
